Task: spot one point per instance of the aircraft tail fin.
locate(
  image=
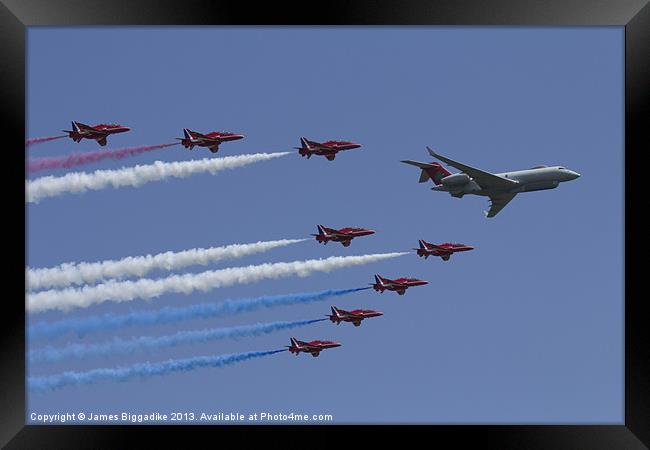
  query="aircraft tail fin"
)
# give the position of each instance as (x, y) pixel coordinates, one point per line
(304, 144)
(75, 129)
(188, 133)
(437, 173)
(423, 245)
(335, 311)
(294, 342)
(434, 171)
(379, 280)
(321, 229)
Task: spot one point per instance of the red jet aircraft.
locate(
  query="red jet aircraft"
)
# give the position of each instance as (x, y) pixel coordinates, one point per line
(97, 132)
(355, 316)
(210, 140)
(399, 285)
(344, 235)
(443, 250)
(327, 149)
(313, 347)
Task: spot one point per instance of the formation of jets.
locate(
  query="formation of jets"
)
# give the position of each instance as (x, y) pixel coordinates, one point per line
(338, 315)
(500, 188)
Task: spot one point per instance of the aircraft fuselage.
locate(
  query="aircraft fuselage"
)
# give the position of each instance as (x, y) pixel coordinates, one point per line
(528, 180)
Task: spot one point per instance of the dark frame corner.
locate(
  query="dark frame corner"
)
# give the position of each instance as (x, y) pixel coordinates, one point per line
(16, 15)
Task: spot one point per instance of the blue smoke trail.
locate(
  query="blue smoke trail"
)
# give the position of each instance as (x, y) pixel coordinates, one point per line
(52, 382)
(106, 322)
(126, 346)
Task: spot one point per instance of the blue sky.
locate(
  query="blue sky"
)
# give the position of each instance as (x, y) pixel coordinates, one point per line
(527, 328)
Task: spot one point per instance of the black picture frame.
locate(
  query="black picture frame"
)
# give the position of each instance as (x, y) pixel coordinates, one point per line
(634, 15)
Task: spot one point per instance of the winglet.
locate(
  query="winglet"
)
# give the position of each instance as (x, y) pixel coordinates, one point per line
(432, 153)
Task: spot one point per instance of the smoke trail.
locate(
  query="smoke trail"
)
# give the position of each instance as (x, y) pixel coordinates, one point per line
(78, 182)
(148, 343)
(147, 369)
(33, 141)
(88, 273)
(122, 291)
(80, 159)
(108, 322)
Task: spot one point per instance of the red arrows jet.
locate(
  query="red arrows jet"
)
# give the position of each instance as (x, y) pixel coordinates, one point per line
(355, 316)
(327, 149)
(210, 140)
(313, 347)
(443, 250)
(399, 285)
(344, 235)
(97, 132)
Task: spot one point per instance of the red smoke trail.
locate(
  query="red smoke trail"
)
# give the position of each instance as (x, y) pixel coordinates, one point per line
(33, 141)
(80, 159)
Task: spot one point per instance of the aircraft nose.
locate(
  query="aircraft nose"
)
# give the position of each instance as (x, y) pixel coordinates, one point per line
(574, 174)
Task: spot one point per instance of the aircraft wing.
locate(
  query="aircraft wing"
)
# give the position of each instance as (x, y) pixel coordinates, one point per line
(83, 126)
(196, 134)
(311, 348)
(484, 179)
(332, 231)
(498, 202)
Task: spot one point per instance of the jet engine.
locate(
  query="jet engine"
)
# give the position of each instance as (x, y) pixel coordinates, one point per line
(456, 179)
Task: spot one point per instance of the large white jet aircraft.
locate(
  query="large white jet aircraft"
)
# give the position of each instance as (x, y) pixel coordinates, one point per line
(499, 187)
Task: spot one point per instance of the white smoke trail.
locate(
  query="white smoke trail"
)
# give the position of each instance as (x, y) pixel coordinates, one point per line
(145, 288)
(88, 273)
(78, 182)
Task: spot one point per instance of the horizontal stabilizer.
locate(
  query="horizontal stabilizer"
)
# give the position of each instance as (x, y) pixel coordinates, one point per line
(421, 165)
(433, 171)
(424, 175)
